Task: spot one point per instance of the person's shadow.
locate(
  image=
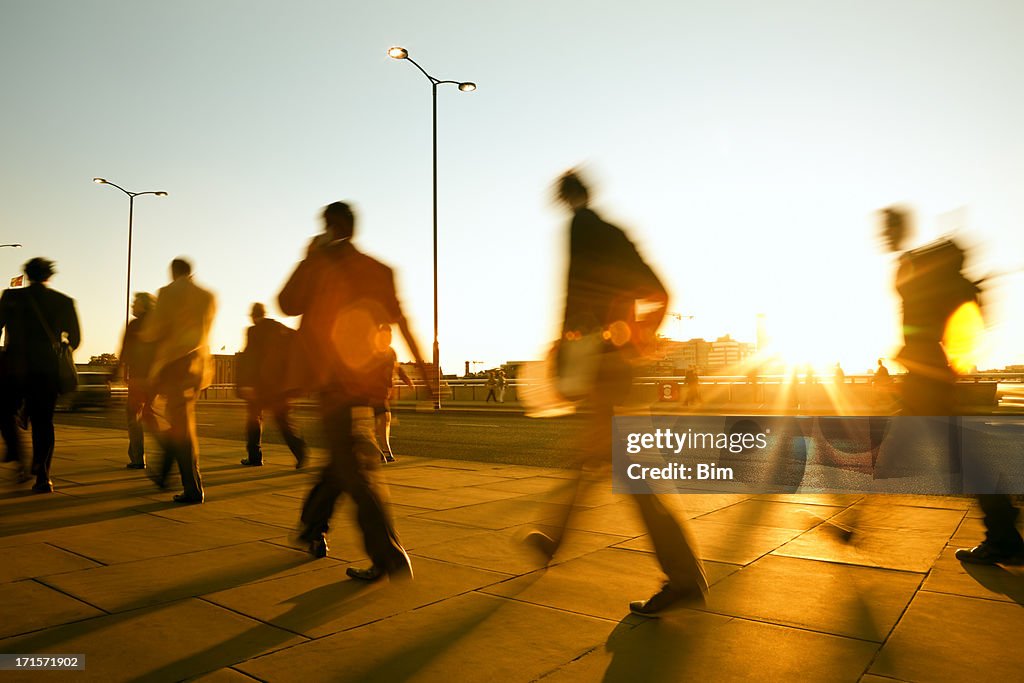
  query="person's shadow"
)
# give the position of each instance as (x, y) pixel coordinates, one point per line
(998, 579)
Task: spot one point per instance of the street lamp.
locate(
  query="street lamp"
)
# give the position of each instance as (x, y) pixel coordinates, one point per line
(131, 213)
(465, 86)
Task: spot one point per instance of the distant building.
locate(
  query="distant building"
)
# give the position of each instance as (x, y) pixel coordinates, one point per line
(726, 353)
(685, 354)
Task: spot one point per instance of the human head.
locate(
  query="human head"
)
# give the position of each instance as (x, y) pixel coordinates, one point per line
(896, 227)
(879, 362)
(142, 303)
(258, 313)
(39, 269)
(572, 191)
(339, 220)
(180, 268)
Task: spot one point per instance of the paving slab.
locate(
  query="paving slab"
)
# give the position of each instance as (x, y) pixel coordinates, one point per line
(499, 514)
(887, 548)
(599, 584)
(166, 643)
(39, 559)
(617, 519)
(845, 600)
(27, 606)
(128, 546)
(699, 646)
(833, 499)
(949, 575)
(953, 638)
(900, 517)
(470, 638)
(773, 513)
(505, 550)
(731, 543)
(131, 585)
(433, 499)
(223, 676)
(326, 601)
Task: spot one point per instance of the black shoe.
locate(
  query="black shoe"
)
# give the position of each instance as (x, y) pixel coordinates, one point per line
(249, 463)
(187, 500)
(318, 547)
(136, 466)
(668, 598)
(43, 487)
(389, 457)
(987, 553)
(401, 570)
(542, 543)
(300, 460)
(371, 573)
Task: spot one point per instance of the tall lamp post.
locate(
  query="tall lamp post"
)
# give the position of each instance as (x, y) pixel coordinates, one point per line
(464, 86)
(131, 213)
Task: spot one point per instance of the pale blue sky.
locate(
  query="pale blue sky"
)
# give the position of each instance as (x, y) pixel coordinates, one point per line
(744, 145)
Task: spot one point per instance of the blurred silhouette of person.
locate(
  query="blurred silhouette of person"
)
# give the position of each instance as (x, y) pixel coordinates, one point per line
(261, 375)
(36, 320)
(882, 378)
(502, 382)
(136, 359)
(344, 296)
(389, 367)
(838, 376)
(932, 287)
(180, 325)
(692, 381)
(492, 385)
(607, 276)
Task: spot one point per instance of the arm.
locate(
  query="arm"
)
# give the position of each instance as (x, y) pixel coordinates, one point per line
(403, 375)
(403, 327)
(74, 332)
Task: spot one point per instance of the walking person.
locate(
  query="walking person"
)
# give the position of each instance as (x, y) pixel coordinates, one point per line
(180, 327)
(502, 383)
(606, 277)
(261, 382)
(343, 297)
(932, 287)
(136, 359)
(37, 320)
(492, 385)
(389, 367)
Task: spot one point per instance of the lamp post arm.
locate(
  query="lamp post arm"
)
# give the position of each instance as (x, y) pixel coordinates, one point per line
(130, 194)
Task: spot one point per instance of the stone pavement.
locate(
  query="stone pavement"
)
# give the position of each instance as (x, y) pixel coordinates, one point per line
(147, 590)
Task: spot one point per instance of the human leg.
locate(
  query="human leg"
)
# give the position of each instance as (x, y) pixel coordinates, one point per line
(253, 433)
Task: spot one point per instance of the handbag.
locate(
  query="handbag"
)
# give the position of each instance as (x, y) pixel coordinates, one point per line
(67, 373)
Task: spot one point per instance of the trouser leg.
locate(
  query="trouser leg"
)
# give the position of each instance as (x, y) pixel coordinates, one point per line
(135, 406)
(1001, 522)
(296, 444)
(40, 402)
(254, 431)
(183, 440)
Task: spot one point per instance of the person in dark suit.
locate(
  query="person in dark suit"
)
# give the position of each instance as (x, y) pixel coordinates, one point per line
(260, 383)
(137, 358)
(344, 296)
(35, 320)
(180, 327)
(607, 276)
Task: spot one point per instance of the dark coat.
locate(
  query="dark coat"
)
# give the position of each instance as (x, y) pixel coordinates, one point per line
(264, 360)
(29, 349)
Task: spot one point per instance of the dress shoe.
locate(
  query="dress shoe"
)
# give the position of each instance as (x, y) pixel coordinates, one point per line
(300, 460)
(318, 547)
(249, 463)
(542, 543)
(43, 487)
(187, 500)
(389, 457)
(371, 573)
(987, 553)
(136, 466)
(668, 598)
(402, 569)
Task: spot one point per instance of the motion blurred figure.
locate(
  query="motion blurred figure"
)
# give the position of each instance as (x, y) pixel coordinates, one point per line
(136, 358)
(261, 382)
(389, 367)
(606, 278)
(36, 319)
(180, 327)
(344, 296)
(932, 287)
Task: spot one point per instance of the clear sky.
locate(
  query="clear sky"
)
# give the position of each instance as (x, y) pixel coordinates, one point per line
(744, 146)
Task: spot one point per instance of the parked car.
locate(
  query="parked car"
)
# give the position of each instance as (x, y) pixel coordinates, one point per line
(93, 392)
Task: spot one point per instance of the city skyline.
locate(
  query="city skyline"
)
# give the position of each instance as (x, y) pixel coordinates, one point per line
(747, 173)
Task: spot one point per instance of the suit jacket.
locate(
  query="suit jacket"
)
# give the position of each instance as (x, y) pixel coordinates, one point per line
(180, 325)
(343, 297)
(29, 349)
(263, 363)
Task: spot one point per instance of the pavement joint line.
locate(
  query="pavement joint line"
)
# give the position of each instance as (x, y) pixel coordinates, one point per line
(967, 597)
(847, 564)
(53, 544)
(797, 627)
(203, 598)
(40, 580)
